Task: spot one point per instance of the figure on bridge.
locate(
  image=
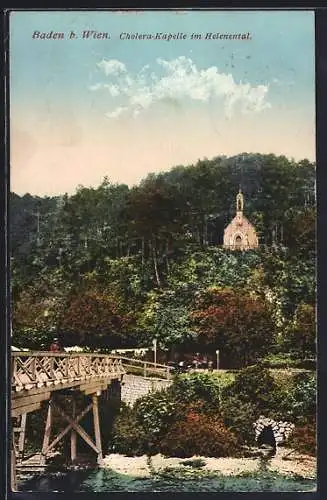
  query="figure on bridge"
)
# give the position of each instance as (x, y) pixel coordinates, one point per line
(55, 347)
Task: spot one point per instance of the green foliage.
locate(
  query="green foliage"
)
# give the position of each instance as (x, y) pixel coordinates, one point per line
(33, 338)
(129, 437)
(196, 463)
(155, 412)
(253, 383)
(300, 339)
(153, 250)
(166, 319)
(291, 277)
(238, 416)
(38, 310)
(193, 387)
(286, 360)
(112, 266)
(254, 392)
(299, 402)
(213, 414)
(215, 267)
(139, 430)
(149, 426)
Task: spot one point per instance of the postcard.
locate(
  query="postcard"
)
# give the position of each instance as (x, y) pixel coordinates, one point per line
(163, 251)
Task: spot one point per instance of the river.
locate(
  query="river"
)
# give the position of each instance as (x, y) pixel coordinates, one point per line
(107, 480)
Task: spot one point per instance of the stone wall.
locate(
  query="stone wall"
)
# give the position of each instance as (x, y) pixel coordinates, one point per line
(133, 387)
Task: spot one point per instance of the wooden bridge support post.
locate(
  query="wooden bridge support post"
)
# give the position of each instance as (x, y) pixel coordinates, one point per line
(47, 434)
(73, 436)
(22, 431)
(13, 473)
(96, 423)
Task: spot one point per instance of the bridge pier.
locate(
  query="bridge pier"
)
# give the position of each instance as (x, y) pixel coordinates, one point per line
(47, 433)
(73, 437)
(73, 425)
(96, 423)
(21, 429)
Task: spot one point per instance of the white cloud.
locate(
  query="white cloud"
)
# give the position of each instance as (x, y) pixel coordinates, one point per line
(116, 112)
(182, 80)
(114, 90)
(281, 83)
(96, 86)
(112, 67)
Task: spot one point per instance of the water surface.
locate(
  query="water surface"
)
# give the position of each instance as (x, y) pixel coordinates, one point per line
(106, 480)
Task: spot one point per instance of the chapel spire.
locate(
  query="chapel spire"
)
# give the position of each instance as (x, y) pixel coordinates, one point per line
(239, 202)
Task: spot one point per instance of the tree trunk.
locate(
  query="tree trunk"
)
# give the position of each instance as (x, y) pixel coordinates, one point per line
(167, 260)
(205, 231)
(143, 248)
(155, 262)
(198, 235)
(117, 248)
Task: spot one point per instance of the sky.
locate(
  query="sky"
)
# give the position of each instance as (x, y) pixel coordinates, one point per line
(82, 109)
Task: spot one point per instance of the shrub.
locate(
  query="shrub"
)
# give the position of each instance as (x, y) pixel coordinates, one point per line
(238, 417)
(155, 412)
(128, 435)
(299, 402)
(280, 360)
(301, 337)
(253, 393)
(196, 463)
(303, 439)
(255, 385)
(197, 386)
(199, 434)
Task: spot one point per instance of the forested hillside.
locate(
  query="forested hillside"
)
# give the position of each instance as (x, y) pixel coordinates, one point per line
(117, 266)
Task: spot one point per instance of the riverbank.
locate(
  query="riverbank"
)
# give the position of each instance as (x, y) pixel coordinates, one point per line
(144, 467)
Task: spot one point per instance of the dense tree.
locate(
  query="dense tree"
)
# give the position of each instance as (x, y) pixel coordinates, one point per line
(37, 311)
(236, 322)
(150, 252)
(300, 338)
(94, 319)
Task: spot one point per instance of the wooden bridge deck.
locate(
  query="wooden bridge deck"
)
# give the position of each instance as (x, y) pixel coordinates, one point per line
(32, 370)
(35, 375)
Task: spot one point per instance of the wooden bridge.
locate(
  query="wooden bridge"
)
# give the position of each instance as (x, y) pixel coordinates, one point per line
(60, 379)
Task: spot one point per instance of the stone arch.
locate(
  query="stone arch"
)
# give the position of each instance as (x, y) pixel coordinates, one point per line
(269, 432)
(267, 437)
(238, 240)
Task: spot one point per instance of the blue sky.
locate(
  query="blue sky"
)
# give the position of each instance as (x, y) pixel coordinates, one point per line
(122, 108)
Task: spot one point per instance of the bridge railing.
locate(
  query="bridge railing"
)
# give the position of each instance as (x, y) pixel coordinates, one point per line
(145, 368)
(36, 369)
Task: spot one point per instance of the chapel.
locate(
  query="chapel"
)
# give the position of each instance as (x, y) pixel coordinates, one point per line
(240, 234)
